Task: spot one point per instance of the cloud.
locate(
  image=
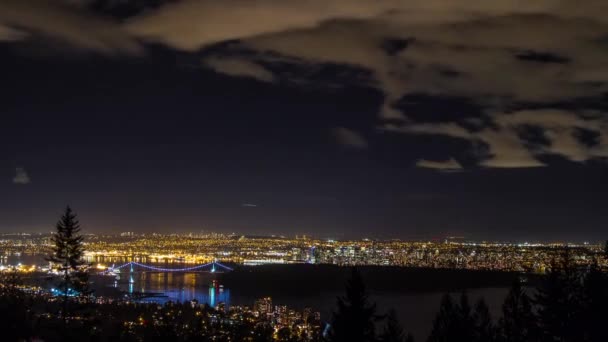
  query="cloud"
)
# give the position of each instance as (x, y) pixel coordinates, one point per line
(502, 144)
(448, 129)
(67, 23)
(469, 47)
(560, 128)
(348, 137)
(10, 34)
(192, 24)
(239, 67)
(446, 165)
(21, 176)
(506, 150)
(499, 54)
(492, 51)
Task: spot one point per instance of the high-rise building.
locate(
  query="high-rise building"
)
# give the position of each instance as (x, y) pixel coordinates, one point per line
(281, 314)
(263, 306)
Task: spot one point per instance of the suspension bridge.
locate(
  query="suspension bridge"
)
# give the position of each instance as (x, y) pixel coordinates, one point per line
(133, 266)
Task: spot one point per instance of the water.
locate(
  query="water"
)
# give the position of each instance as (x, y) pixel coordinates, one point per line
(416, 311)
(168, 286)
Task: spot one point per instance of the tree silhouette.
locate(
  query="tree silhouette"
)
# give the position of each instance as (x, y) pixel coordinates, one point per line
(466, 324)
(393, 332)
(355, 319)
(484, 326)
(558, 300)
(445, 322)
(518, 323)
(595, 304)
(457, 323)
(67, 254)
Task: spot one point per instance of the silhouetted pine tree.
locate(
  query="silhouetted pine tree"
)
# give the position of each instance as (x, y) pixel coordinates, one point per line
(355, 319)
(67, 253)
(466, 322)
(446, 321)
(595, 304)
(518, 323)
(484, 327)
(458, 323)
(393, 332)
(558, 299)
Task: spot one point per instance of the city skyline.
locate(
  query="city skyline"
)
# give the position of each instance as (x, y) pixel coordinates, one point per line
(344, 119)
(328, 238)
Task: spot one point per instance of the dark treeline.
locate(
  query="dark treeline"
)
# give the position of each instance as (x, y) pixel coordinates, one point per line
(567, 304)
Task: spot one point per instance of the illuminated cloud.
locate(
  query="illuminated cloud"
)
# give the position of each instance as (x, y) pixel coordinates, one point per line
(503, 145)
(21, 176)
(348, 137)
(446, 165)
(510, 50)
(193, 24)
(10, 34)
(239, 67)
(65, 22)
(499, 54)
(560, 129)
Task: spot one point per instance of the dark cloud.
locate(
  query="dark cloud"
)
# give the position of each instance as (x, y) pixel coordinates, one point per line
(542, 57)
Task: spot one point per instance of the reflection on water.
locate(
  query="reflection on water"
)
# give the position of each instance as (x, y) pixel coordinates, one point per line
(415, 310)
(25, 259)
(170, 286)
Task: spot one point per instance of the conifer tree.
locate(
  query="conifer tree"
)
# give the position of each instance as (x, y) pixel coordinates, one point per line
(595, 304)
(355, 319)
(518, 323)
(67, 254)
(393, 332)
(445, 322)
(456, 322)
(558, 299)
(466, 324)
(484, 327)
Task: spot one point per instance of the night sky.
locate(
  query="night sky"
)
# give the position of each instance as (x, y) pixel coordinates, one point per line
(339, 118)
